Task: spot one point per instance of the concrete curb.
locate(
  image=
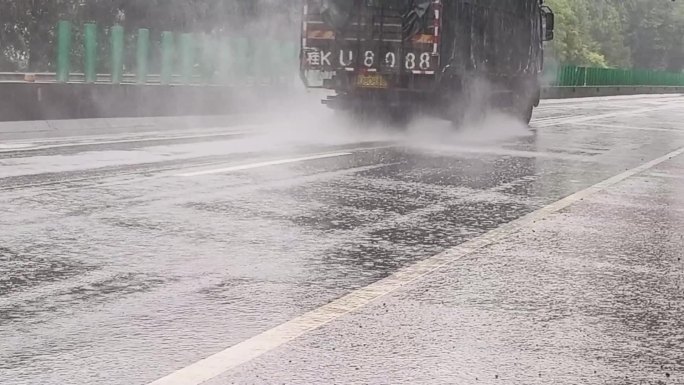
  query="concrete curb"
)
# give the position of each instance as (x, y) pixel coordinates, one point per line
(51, 101)
(588, 92)
(43, 107)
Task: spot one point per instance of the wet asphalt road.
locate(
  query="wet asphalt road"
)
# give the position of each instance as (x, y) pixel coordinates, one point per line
(127, 256)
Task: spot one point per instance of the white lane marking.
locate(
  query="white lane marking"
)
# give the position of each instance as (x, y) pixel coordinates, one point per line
(625, 127)
(24, 147)
(14, 147)
(263, 164)
(498, 151)
(588, 118)
(260, 344)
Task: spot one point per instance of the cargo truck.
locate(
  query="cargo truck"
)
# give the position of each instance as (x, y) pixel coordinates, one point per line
(444, 57)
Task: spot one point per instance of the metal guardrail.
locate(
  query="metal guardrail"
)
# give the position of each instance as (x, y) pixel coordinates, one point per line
(183, 58)
(567, 92)
(574, 76)
(152, 79)
(566, 76)
(51, 77)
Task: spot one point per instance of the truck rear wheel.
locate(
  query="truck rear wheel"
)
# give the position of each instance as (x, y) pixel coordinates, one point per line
(525, 99)
(526, 114)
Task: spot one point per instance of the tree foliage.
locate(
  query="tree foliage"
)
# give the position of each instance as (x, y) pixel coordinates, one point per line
(619, 33)
(605, 33)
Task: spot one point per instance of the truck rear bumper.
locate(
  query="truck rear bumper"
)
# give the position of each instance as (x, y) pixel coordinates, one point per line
(380, 99)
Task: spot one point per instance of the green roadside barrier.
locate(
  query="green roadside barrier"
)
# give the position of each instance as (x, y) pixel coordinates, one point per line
(117, 53)
(182, 57)
(576, 76)
(63, 51)
(90, 51)
(187, 57)
(167, 53)
(224, 65)
(210, 54)
(142, 55)
(241, 61)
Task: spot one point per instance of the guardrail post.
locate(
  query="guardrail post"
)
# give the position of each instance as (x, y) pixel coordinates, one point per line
(291, 58)
(275, 63)
(280, 56)
(143, 54)
(166, 58)
(267, 62)
(258, 52)
(117, 45)
(90, 48)
(208, 60)
(252, 63)
(187, 57)
(240, 59)
(224, 61)
(63, 51)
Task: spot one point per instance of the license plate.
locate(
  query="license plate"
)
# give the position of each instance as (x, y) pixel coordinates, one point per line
(371, 81)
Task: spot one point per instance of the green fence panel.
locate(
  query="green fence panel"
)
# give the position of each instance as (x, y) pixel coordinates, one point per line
(264, 61)
(167, 53)
(143, 55)
(283, 61)
(210, 54)
(224, 65)
(588, 76)
(241, 59)
(291, 60)
(117, 52)
(561, 76)
(187, 59)
(572, 76)
(90, 51)
(63, 51)
(274, 61)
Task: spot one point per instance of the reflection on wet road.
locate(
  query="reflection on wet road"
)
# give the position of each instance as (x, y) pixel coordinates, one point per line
(126, 258)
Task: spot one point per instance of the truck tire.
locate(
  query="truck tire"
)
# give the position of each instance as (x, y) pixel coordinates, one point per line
(456, 115)
(526, 95)
(526, 114)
